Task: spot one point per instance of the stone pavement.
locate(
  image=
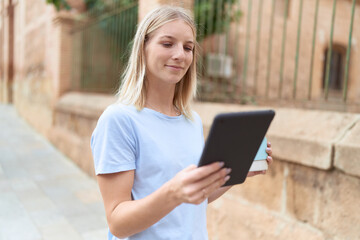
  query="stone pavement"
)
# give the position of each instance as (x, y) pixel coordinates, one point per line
(43, 195)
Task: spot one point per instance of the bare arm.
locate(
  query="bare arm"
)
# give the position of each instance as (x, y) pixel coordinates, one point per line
(126, 217)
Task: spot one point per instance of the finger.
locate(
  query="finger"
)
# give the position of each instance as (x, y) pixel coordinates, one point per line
(269, 144)
(269, 160)
(204, 171)
(269, 151)
(217, 176)
(216, 185)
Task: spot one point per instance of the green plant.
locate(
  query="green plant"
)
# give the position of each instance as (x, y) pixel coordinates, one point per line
(98, 6)
(59, 4)
(214, 16)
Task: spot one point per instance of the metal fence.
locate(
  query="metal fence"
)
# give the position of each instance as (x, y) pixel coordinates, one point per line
(101, 39)
(296, 51)
(253, 51)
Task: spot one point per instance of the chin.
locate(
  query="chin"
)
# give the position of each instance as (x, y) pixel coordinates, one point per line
(174, 80)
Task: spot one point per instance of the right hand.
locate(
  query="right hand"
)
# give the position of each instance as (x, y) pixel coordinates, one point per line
(195, 184)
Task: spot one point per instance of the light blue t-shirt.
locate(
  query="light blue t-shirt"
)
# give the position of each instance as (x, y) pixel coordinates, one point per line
(157, 146)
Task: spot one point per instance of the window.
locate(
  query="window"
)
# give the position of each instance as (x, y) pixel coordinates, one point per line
(337, 68)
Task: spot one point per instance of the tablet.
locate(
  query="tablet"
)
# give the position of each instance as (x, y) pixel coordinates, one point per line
(234, 139)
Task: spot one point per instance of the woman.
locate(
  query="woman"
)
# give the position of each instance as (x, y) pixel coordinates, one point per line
(146, 146)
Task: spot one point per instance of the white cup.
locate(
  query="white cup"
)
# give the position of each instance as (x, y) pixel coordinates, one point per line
(260, 163)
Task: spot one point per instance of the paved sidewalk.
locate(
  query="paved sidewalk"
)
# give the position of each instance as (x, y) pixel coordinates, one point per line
(43, 195)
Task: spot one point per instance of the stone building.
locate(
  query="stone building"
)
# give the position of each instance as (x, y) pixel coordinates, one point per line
(322, 40)
(272, 43)
(312, 191)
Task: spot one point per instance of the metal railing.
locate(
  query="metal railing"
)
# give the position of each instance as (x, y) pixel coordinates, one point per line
(253, 51)
(101, 39)
(276, 51)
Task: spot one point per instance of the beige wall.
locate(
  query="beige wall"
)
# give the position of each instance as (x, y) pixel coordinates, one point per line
(41, 65)
(4, 61)
(33, 81)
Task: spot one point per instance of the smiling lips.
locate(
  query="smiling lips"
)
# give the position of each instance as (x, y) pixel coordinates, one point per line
(174, 67)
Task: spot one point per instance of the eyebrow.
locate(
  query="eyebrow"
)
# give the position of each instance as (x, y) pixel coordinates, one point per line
(171, 37)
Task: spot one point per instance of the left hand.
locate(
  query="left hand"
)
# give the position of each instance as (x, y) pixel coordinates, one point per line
(269, 160)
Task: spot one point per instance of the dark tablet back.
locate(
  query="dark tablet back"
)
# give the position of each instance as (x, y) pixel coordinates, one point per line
(235, 138)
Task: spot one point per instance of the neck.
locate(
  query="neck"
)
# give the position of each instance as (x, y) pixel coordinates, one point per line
(160, 99)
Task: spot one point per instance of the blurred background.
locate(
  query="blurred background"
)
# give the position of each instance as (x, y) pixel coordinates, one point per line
(61, 63)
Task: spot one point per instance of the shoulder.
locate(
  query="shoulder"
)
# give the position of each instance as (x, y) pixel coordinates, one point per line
(116, 112)
(116, 115)
(115, 122)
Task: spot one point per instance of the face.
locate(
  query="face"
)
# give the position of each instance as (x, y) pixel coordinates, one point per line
(169, 53)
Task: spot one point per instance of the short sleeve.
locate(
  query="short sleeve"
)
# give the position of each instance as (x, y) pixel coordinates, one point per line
(113, 142)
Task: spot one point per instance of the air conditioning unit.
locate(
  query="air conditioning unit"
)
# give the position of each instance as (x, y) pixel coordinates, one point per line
(218, 65)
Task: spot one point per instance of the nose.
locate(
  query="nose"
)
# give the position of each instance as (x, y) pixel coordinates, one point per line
(179, 53)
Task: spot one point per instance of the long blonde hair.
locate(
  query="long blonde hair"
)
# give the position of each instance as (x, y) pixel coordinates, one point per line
(133, 90)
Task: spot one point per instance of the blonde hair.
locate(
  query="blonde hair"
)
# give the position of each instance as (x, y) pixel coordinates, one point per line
(133, 90)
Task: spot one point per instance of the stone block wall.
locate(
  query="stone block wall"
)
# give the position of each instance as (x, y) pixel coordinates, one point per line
(41, 59)
(34, 62)
(75, 117)
(311, 191)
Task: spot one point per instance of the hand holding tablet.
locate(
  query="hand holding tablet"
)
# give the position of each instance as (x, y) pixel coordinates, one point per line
(235, 139)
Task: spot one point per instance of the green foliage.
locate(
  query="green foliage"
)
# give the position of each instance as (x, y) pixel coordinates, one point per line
(59, 4)
(98, 7)
(94, 6)
(215, 16)
(90, 3)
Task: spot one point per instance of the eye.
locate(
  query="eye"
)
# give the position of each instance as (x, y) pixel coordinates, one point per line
(188, 48)
(167, 45)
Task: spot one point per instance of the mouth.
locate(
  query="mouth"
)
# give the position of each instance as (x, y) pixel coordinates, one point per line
(174, 67)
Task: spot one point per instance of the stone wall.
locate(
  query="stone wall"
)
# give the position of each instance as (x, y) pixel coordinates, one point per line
(5, 63)
(33, 80)
(75, 117)
(311, 191)
(41, 59)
